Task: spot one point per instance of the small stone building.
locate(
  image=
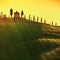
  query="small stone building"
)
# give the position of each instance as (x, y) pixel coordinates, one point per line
(16, 15)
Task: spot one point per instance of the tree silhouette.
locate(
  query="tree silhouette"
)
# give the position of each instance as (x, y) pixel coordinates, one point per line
(11, 12)
(29, 17)
(41, 19)
(34, 18)
(22, 13)
(44, 21)
(56, 24)
(37, 19)
(24, 16)
(52, 23)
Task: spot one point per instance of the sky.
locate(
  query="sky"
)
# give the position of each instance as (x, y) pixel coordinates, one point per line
(48, 9)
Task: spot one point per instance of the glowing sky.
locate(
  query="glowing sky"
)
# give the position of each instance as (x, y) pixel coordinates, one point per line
(48, 9)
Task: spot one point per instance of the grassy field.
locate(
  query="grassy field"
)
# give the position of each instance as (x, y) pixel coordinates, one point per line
(20, 41)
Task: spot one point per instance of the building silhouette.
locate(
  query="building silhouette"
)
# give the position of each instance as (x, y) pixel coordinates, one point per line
(16, 15)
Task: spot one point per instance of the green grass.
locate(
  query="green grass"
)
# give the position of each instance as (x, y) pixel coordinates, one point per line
(19, 41)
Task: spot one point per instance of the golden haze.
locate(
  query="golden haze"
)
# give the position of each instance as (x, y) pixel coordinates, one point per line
(48, 9)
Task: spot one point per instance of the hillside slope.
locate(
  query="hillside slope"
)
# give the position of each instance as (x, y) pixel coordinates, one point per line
(19, 40)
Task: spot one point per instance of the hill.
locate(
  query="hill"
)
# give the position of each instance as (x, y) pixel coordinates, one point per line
(23, 39)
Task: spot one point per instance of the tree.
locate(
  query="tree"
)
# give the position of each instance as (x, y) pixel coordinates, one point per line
(29, 17)
(11, 12)
(41, 19)
(52, 23)
(44, 21)
(24, 16)
(22, 13)
(56, 24)
(34, 18)
(37, 19)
